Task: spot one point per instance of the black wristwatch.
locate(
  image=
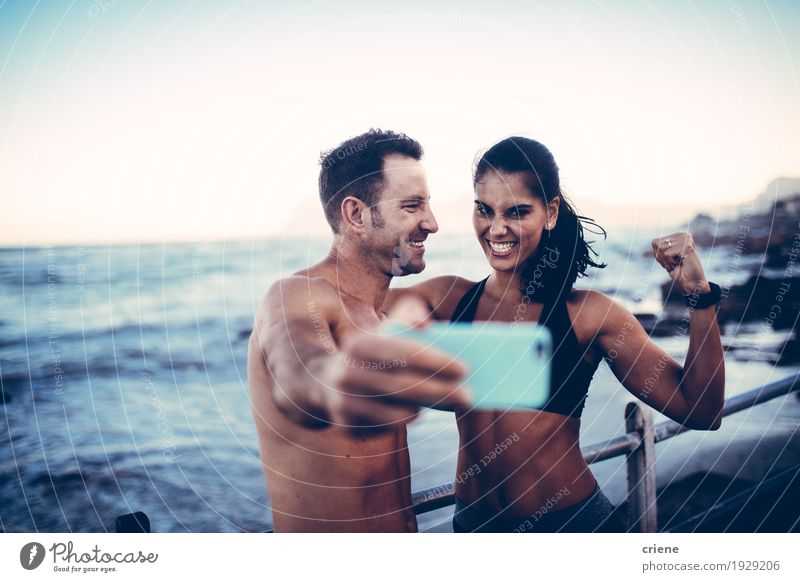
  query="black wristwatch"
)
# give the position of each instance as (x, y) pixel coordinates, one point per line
(698, 301)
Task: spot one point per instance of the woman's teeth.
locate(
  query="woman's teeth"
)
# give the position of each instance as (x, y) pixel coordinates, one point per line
(503, 247)
(416, 243)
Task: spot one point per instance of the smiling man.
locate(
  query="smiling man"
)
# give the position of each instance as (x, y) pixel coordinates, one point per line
(331, 398)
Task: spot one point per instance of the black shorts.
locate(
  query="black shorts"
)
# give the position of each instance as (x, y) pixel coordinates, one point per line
(592, 514)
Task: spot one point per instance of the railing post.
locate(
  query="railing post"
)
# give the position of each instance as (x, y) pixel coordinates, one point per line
(642, 508)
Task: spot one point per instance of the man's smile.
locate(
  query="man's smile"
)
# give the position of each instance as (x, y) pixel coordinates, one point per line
(415, 243)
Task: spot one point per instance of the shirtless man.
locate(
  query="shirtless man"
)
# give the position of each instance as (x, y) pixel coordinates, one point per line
(331, 398)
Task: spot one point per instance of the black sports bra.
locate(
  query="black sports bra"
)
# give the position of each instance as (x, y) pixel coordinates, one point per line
(571, 374)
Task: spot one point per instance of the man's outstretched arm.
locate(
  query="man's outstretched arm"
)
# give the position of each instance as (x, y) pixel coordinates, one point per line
(293, 336)
(316, 382)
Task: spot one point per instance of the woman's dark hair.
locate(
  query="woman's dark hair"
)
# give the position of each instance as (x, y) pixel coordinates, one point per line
(355, 168)
(563, 254)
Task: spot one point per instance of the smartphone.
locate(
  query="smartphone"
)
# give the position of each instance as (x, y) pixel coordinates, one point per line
(509, 364)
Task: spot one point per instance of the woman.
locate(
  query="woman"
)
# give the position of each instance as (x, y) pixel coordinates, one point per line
(535, 246)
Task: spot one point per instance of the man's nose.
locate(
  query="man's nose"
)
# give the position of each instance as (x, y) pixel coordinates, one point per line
(429, 222)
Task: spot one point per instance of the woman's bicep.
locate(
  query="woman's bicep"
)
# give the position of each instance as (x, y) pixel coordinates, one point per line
(642, 367)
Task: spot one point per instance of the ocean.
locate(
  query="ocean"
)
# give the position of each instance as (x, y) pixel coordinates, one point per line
(124, 380)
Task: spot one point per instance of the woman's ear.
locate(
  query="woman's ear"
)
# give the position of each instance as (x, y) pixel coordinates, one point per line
(552, 213)
(353, 214)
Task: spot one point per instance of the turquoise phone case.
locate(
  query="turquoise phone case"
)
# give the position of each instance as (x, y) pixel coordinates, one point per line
(509, 365)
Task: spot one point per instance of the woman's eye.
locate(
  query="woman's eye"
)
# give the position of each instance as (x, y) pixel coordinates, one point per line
(481, 210)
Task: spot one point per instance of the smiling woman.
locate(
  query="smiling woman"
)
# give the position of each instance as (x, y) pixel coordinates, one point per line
(521, 211)
(534, 243)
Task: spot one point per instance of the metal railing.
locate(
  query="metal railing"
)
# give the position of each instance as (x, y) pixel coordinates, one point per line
(638, 444)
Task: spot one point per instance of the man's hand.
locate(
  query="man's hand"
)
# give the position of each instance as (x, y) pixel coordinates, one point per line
(378, 381)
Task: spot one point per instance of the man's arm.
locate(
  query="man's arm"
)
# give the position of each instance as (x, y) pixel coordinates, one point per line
(316, 382)
(294, 337)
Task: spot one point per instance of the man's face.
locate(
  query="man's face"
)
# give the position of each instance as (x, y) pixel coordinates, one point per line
(402, 218)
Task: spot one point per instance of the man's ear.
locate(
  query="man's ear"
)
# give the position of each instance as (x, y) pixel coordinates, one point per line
(552, 213)
(353, 214)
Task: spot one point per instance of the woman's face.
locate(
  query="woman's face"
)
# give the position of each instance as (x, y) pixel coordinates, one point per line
(509, 219)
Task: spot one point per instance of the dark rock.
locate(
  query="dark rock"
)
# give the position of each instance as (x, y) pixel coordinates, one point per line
(648, 320)
(790, 354)
(680, 500)
(776, 302)
(768, 506)
(771, 233)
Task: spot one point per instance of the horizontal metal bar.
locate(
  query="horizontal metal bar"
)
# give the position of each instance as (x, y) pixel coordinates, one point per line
(433, 498)
(762, 394)
(668, 429)
(611, 448)
(443, 495)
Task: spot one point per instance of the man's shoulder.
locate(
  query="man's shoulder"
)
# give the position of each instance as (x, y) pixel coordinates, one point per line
(300, 290)
(307, 283)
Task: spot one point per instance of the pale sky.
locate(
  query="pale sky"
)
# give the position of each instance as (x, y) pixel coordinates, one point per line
(180, 120)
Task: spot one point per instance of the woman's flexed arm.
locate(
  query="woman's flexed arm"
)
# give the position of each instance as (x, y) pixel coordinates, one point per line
(694, 393)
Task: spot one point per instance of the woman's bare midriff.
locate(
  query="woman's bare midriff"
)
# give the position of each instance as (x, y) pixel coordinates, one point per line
(515, 462)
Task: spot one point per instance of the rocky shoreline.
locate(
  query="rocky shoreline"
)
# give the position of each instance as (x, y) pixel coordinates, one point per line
(768, 245)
